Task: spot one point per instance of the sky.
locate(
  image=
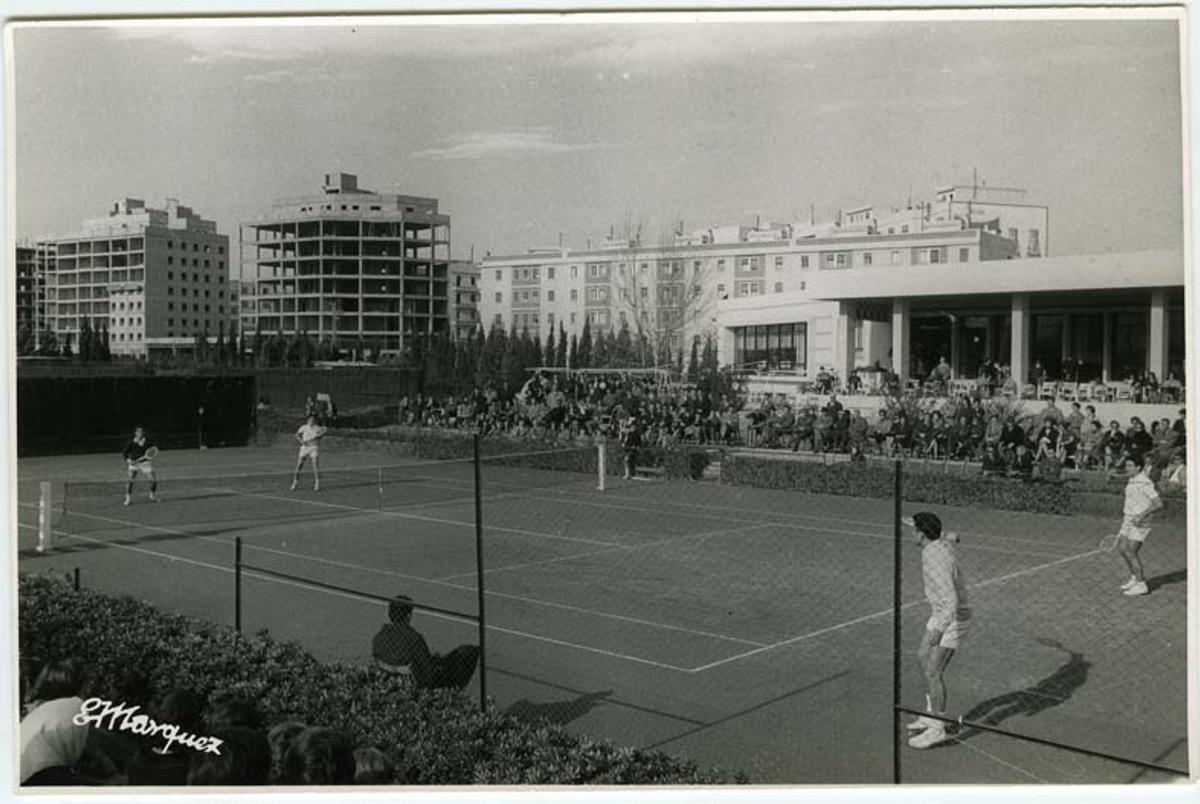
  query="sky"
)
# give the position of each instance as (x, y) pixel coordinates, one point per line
(527, 133)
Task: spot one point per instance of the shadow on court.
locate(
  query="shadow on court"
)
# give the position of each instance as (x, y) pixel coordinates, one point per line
(1051, 691)
(558, 713)
(1159, 581)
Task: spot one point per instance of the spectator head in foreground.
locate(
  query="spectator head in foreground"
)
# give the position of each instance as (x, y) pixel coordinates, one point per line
(228, 709)
(279, 737)
(400, 609)
(319, 756)
(371, 766)
(245, 759)
(61, 679)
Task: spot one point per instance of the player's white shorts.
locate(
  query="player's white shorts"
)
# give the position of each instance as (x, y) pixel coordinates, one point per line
(309, 451)
(145, 467)
(1133, 533)
(955, 631)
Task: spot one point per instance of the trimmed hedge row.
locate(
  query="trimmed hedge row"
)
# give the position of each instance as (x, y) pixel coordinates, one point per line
(129, 649)
(683, 462)
(930, 486)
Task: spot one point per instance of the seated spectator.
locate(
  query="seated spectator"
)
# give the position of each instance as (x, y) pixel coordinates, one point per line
(1011, 436)
(244, 759)
(319, 756)
(1175, 475)
(371, 766)
(1075, 418)
(1046, 440)
(882, 433)
(1112, 446)
(1051, 413)
(1066, 446)
(1022, 465)
(400, 648)
(1011, 388)
(279, 737)
(53, 747)
(226, 710)
(1137, 441)
(1179, 426)
(1172, 388)
(993, 462)
(155, 764)
(1089, 452)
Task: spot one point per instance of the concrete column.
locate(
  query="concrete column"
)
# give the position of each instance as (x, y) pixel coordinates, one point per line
(1158, 334)
(1021, 319)
(901, 326)
(955, 346)
(843, 342)
(1106, 350)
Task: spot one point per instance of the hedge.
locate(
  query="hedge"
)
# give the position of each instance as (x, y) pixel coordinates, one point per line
(877, 480)
(128, 650)
(680, 462)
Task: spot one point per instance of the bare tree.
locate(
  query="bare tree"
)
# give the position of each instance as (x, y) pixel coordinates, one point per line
(666, 298)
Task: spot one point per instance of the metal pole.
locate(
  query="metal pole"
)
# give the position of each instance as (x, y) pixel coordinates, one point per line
(479, 580)
(237, 584)
(75, 579)
(602, 462)
(380, 485)
(897, 528)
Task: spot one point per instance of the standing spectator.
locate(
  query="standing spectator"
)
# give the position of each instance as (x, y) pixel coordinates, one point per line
(631, 442)
(1075, 417)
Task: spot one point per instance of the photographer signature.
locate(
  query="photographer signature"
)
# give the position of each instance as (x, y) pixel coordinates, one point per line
(122, 717)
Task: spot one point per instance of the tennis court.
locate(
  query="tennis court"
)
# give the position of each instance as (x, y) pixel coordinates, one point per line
(742, 627)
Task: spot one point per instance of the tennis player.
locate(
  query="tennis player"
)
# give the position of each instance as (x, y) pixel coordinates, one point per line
(309, 434)
(1141, 501)
(946, 591)
(138, 462)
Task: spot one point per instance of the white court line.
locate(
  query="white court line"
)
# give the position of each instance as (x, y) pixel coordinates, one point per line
(885, 612)
(998, 760)
(435, 615)
(432, 581)
(418, 517)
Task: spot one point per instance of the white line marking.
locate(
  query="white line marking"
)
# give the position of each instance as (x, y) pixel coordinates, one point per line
(436, 615)
(885, 612)
(998, 760)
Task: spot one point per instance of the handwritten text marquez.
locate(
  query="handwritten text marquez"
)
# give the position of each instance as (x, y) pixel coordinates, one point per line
(125, 718)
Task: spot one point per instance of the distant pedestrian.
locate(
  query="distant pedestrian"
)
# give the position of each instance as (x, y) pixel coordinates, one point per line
(631, 441)
(201, 428)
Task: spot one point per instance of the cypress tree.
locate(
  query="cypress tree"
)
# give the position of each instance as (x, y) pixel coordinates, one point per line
(584, 353)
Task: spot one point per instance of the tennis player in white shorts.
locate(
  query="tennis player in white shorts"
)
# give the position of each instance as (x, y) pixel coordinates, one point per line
(949, 622)
(309, 435)
(1141, 501)
(137, 463)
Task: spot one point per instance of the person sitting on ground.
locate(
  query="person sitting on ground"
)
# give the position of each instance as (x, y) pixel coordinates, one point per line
(244, 759)
(371, 766)
(400, 648)
(156, 764)
(319, 756)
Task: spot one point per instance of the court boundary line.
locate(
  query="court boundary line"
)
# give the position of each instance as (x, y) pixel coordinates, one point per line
(889, 610)
(431, 581)
(435, 615)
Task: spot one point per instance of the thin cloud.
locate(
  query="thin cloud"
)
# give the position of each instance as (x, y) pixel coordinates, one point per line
(504, 143)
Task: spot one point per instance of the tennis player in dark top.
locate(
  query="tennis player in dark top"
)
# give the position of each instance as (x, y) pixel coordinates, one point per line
(400, 648)
(138, 462)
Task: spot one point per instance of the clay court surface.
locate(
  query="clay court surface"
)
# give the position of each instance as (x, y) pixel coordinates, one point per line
(741, 627)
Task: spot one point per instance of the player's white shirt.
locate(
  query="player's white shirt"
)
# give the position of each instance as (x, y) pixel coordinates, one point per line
(945, 587)
(308, 435)
(1141, 497)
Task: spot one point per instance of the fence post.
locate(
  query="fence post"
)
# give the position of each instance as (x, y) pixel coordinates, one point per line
(479, 580)
(379, 480)
(602, 462)
(897, 528)
(75, 579)
(237, 584)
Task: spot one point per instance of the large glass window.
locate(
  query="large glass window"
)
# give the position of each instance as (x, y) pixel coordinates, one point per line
(775, 346)
(1129, 345)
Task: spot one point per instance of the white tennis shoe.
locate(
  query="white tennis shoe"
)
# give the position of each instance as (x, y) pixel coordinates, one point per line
(1138, 588)
(930, 737)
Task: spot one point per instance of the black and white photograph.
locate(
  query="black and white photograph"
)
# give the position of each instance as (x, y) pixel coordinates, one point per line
(625, 399)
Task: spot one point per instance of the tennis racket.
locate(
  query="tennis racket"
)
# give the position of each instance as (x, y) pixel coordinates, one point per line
(1109, 543)
(150, 454)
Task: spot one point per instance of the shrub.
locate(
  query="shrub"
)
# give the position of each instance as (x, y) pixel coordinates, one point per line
(432, 737)
(933, 484)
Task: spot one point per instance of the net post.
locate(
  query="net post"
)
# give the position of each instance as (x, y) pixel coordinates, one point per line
(237, 584)
(601, 463)
(896, 648)
(379, 482)
(44, 500)
(479, 580)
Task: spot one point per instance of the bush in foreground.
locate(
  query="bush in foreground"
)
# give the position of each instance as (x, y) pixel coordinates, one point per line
(129, 650)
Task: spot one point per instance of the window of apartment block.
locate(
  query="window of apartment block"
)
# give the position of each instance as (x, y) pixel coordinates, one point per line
(895, 258)
(550, 319)
(935, 255)
(170, 261)
(803, 285)
(207, 263)
(220, 249)
(779, 287)
(904, 229)
(497, 274)
(720, 290)
(170, 244)
(574, 297)
(964, 254)
(549, 295)
(779, 262)
(497, 320)
(170, 291)
(535, 294)
(170, 322)
(195, 246)
(550, 272)
(868, 258)
(170, 305)
(804, 262)
(720, 265)
(499, 297)
(572, 318)
(574, 271)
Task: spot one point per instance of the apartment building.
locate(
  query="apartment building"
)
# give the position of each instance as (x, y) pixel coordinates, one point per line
(30, 297)
(674, 291)
(349, 264)
(155, 278)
